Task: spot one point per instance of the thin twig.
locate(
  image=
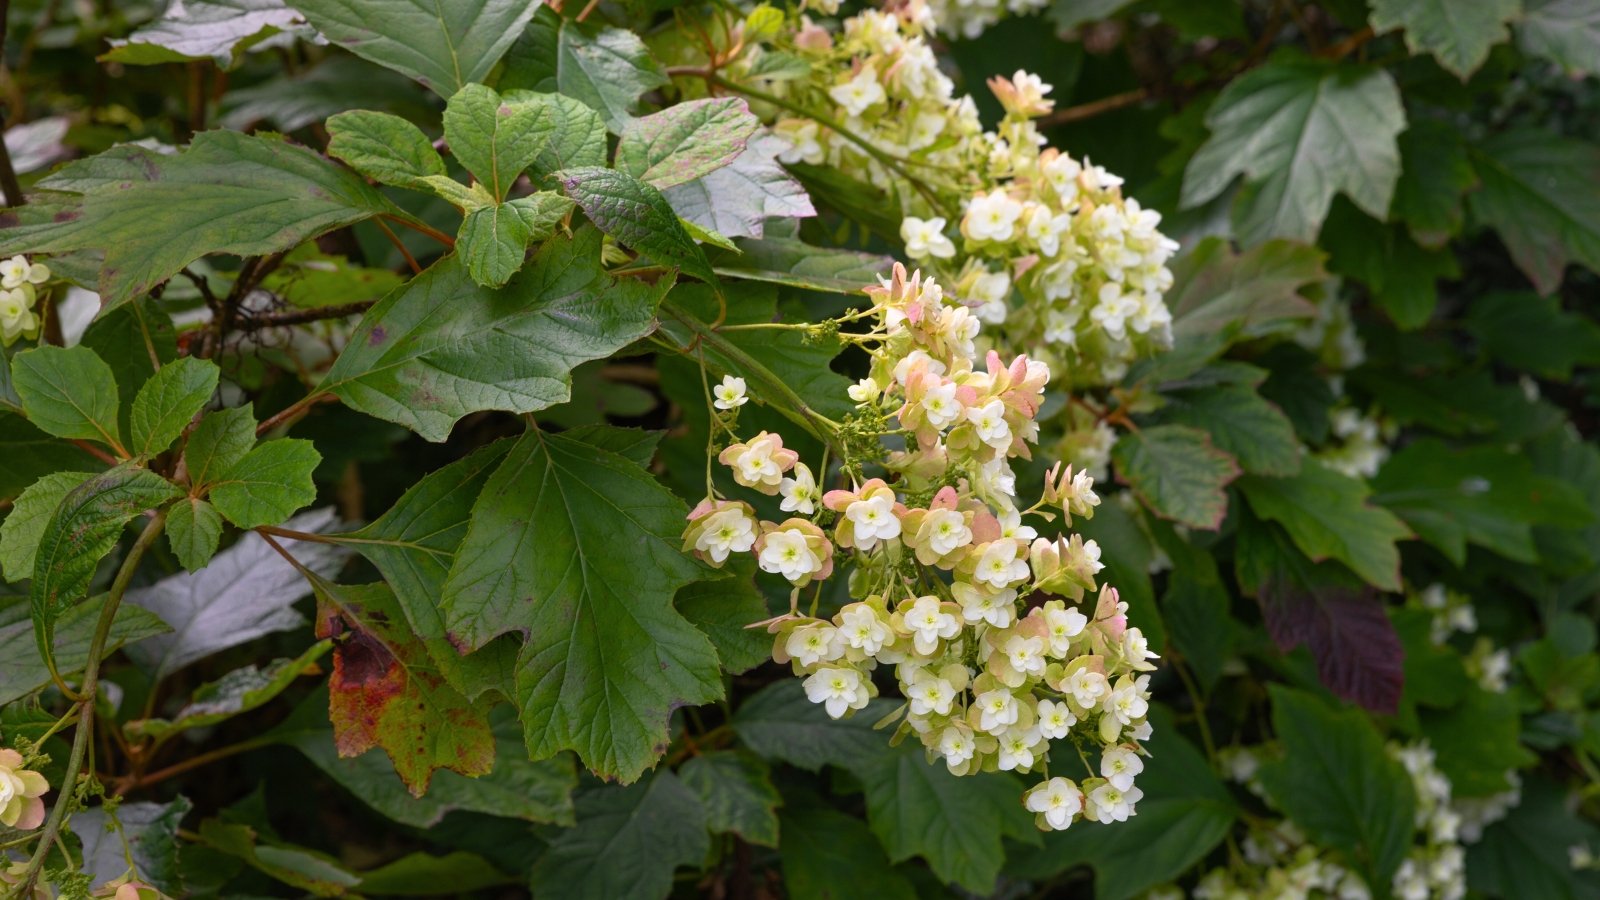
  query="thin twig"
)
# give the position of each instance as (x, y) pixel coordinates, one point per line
(91, 683)
(423, 228)
(302, 316)
(1098, 107)
(292, 411)
(399, 245)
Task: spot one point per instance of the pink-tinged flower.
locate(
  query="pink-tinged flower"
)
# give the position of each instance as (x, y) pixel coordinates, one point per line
(798, 550)
(21, 793)
(871, 514)
(760, 462)
(718, 528)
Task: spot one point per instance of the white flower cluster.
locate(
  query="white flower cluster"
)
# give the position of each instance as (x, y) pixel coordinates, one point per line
(949, 586)
(1363, 443)
(970, 18)
(1040, 245)
(20, 283)
(1453, 612)
(1282, 863)
(1332, 337)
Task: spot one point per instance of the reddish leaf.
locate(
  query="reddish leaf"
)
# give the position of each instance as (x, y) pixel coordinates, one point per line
(1357, 651)
(387, 692)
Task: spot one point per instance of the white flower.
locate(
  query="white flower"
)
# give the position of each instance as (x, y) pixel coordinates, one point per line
(859, 93)
(814, 643)
(16, 315)
(1107, 804)
(838, 690)
(940, 406)
(947, 531)
(1045, 230)
(925, 237)
(983, 605)
(1061, 326)
(864, 391)
(1086, 687)
(925, 129)
(1134, 645)
(999, 566)
(1057, 800)
(1119, 765)
(1141, 731)
(997, 710)
(1127, 702)
(799, 491)
(1011, 525)
(802, 137)
(1062, 173)
(730, 393)
(1062, 625)
(928, 623)
(729, 531)
(990, 423)
(992, 216)
(873, 520)
(16, 272)
(989, 291)
(1016, 748)
(757, 464)
(957, 745)
(1113, 310)
(929, 693)
(786, 553)
(1025, 654)
(1055, 719)
(862, 629)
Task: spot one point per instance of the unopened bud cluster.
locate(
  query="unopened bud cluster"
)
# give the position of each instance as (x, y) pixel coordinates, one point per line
(982, 621)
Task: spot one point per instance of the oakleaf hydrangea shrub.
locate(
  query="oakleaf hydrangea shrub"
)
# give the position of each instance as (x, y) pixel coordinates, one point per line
(744, 449)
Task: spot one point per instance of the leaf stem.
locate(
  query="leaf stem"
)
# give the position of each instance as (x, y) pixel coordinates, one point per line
(399, 245)
(291, 412)
(91, 683)
(774, 388)
(886, 160)
(422, 228)
(193, 762)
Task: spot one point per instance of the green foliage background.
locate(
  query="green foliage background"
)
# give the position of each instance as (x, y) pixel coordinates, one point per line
(1429, 168)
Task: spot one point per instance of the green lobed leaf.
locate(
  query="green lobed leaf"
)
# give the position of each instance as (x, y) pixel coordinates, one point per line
(68, 392)
(1458, 35)
(794, 263)
(25, 524)
(627, 842)
(384, 147)
(168, 401)
(218, 30)
(1436, 174)
(1477, 741)
(495, 138)
(413, 545)
(1566, 32)
(828, 855)
(608, 69)
(1526, 853)
(917, 808)
(1402, 276)
(83, 529)
(446, 46)
(495, 238)
(1481, 495)
(578, 138)
(1253, 431)
(1195, 609)
(239, 691)
(735, 789)
(637, 216)
(722, 608)
(1299, 132)
(386, 692)
(226, 193)
(218, 443)
(1338, 784)
(136, 339)
(22, 669)
(780, 724)
(1536, 194)
(194, 529)
(1177, 472)
(607, 657)
(442, 347)
(1328, 517)
(1533, 334)
(267, 485)
(685, 141)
